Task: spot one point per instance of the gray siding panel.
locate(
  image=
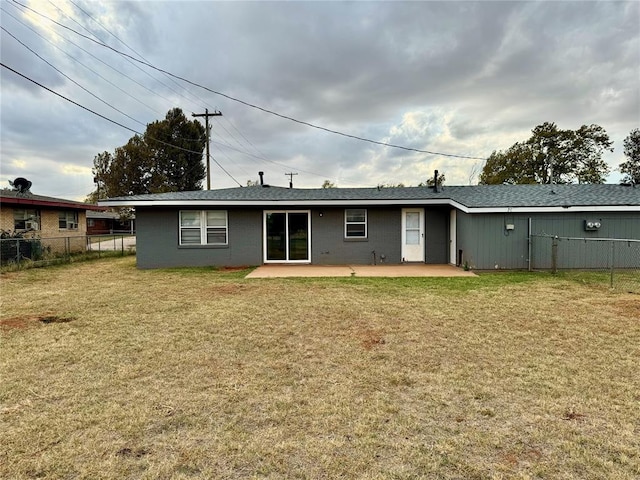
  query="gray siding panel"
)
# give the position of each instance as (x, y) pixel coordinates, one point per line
(486, 243)
(437, 235)
(483, 238)
(585, 254)
(158, 246)
(329, 247)
(157, 238)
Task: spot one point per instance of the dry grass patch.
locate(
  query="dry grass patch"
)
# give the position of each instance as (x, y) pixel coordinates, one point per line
(202, 374)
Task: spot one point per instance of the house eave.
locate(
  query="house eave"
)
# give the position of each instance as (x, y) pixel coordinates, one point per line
(365, 202)
(15, 201)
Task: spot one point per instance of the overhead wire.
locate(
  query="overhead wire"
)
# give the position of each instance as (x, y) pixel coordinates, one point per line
(85, 89)
(143, 58)
(241, 134)
(112, 121)
(68, 77)
(85, 66)
(251, 105)
(261, 157)
(138, 67)
(194, 99)
(118, 110)
(127, 59)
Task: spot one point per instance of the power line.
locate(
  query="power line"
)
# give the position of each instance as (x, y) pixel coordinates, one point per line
(69, 78)
(89, 68)
(113, 68)
(245, 138)
(110, 120)
(193, 99)
(206, 116)
(251, 105)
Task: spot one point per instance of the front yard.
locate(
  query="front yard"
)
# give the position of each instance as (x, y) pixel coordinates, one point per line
(107, 371)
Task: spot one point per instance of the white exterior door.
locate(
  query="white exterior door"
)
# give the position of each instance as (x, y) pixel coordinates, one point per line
(413, 235)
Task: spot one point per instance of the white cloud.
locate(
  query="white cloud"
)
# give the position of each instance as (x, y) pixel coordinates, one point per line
(19, 164)
(75, 170)
(463, 78)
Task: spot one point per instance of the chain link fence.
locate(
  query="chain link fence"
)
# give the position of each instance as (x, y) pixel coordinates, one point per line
(613, 261)
(17, 252)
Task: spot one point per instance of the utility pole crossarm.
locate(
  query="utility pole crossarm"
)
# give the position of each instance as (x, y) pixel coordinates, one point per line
(206, 116)
(290, 175)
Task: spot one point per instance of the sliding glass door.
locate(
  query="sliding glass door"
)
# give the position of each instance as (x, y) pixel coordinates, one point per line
(287, 236)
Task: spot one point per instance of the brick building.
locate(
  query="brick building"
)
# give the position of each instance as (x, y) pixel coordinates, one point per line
(60, 223)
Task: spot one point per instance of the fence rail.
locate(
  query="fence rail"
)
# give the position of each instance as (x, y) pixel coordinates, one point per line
(612, 260)
(37, 252)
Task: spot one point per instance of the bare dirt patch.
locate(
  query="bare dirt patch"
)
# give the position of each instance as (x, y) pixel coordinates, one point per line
(371, 339)
(229, 289)
(22, 322)
(17, 323)
(628, 307)
(132, 452)
(233, 269)
(573, 415)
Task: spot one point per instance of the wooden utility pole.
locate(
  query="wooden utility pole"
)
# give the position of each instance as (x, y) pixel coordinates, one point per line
(290, 175)
(206, 116)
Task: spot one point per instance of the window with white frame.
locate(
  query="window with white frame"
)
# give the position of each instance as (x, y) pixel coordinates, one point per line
(26, 220)
(355, 223)
(203, 227)
(68, 220)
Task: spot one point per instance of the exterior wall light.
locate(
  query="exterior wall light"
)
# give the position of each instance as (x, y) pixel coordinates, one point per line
(592, 225)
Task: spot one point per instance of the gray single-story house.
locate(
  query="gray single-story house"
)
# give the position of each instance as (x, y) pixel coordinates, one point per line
(482, 226)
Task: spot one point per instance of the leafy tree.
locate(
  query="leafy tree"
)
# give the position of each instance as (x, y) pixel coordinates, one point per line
(631, 168)
(167, 158)
(430, 181)
(391, 185)
(551, 155)
(328, 184)
(177, 145)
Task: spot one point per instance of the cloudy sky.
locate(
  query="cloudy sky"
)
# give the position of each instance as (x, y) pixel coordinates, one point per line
(455, 78)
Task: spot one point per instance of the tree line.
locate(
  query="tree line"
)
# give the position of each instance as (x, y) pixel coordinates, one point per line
(553, 155)
(168, 158)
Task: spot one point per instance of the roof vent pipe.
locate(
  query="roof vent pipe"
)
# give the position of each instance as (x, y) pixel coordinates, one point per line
(435, 181)
(261, 178)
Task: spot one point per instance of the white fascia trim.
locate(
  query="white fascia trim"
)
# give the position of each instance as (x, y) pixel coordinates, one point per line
(269, 203)
(364, 203)
(577, 208)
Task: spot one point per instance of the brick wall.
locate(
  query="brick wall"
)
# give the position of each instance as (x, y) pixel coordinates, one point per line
(50, 232)
(6, 218)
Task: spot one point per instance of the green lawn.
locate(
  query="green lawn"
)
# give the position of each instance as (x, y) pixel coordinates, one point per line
(107, 371)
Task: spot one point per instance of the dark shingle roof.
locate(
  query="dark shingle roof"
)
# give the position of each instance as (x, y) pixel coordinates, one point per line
(12, 197)
(477, 196)
(546, 195)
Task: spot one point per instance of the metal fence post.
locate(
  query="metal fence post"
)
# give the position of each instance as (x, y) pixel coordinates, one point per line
(613, 261)
(529, 245)
(18, 252)
(554, 255)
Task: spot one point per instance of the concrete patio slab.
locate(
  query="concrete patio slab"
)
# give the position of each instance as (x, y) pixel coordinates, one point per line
(404, 270)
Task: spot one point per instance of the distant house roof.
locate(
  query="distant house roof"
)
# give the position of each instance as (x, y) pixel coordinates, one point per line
(476, 198)
(12, 198)
(106, 215)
